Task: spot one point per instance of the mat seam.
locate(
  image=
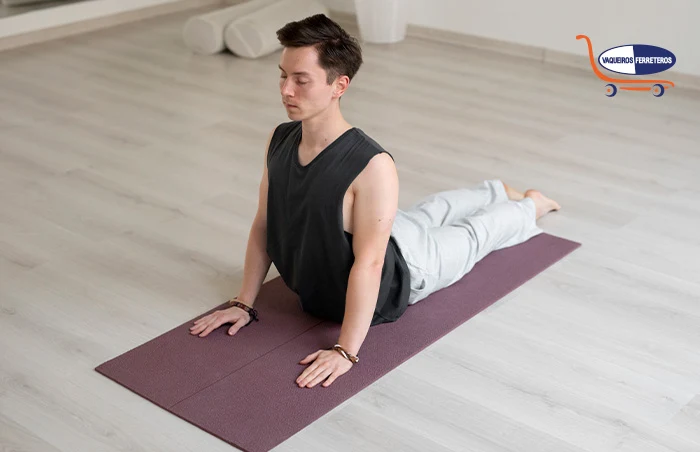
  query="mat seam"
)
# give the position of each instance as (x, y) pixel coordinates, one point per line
(241, 368)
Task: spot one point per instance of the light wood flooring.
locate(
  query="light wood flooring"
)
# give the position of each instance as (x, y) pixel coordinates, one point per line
(129, 170)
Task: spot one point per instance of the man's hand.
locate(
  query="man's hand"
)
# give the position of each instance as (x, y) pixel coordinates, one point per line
(328, 364)
(239, 317)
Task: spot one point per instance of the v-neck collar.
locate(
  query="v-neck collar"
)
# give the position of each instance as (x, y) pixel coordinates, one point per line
(325, 150)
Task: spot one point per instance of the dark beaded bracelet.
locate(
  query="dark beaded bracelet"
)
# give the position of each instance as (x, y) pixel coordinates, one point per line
(252, 312)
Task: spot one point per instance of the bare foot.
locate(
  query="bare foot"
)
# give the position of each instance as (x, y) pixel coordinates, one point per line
(543, 204)
(512, 193)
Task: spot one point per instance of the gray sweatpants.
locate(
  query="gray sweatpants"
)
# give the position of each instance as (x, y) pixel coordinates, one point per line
(445, 234)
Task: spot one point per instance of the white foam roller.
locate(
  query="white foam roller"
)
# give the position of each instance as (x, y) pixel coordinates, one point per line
(255, 35)
(204, 34)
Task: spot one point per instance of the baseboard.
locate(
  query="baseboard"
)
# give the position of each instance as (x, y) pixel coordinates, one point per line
(94, 24)
(539, 54)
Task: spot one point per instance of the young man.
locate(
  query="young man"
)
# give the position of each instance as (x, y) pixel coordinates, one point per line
(328, 212)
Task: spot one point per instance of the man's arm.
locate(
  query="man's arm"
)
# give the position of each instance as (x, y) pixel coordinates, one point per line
(255, 269)
(375, 205)
(257, 262)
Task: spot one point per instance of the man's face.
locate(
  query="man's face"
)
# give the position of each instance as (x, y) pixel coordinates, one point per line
(303, 86)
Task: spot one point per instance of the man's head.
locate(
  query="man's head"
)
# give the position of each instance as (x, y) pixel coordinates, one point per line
(318, 62)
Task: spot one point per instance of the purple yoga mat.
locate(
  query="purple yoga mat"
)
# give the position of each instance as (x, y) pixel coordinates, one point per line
(242, 389)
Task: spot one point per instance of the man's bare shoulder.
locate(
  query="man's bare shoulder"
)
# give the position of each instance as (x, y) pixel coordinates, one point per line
(380, 163)
(380, 170)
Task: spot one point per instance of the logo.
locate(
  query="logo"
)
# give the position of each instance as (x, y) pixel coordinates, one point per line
(633, 59)
(638, 59)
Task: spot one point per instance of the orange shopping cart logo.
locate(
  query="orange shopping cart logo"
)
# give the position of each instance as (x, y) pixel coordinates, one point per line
(633, 59)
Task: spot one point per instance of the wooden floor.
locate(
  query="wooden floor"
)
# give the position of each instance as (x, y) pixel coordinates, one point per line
(129, 171)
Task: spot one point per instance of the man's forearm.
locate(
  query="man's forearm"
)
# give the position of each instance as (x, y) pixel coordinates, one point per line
(257, 264)
(360, 303)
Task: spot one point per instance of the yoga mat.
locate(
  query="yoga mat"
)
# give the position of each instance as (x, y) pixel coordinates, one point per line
(242, 388)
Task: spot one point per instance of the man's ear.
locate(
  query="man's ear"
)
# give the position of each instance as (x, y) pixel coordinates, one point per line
(341, 85)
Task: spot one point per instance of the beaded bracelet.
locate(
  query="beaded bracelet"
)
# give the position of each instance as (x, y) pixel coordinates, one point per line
(252, 312)
(354, 359)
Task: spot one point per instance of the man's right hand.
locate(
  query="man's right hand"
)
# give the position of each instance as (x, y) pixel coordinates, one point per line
(239, 317)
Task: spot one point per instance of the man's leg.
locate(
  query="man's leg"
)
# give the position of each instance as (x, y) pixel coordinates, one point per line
(412, 227)
(459, 246)
(440, 256)
(449, 206)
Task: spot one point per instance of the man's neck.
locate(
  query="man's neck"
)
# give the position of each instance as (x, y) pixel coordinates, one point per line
(320, 131)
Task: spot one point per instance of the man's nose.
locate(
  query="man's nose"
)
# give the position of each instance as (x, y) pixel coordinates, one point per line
(286, 88)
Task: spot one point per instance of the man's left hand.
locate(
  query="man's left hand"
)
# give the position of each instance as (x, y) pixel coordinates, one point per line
(326, 364)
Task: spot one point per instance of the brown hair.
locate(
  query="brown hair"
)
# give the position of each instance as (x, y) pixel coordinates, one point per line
(338, 52)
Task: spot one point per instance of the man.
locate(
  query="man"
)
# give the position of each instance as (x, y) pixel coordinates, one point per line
(328, 212)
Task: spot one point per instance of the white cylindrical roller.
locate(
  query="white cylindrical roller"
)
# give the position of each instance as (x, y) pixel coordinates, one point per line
(204, 34)
(255, 35)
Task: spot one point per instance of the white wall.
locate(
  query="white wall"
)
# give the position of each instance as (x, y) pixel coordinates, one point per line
(554, 24)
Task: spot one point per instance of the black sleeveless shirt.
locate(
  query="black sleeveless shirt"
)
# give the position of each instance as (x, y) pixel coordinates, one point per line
(306, 239)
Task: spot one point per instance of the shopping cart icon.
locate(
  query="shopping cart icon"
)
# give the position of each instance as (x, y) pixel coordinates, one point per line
(657, 87)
